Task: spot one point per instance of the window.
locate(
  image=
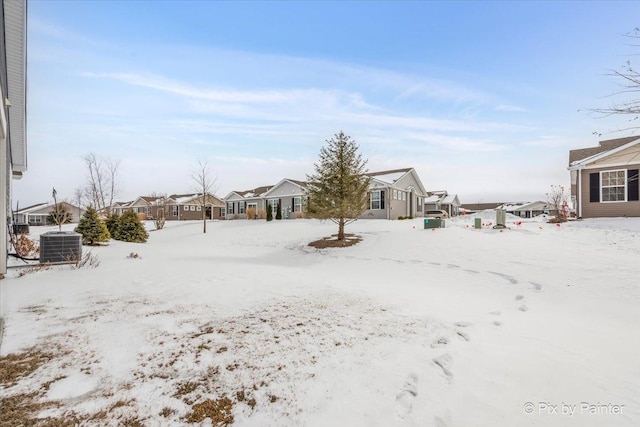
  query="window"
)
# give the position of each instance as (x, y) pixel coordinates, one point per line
(186, 208)
(404, 196)
(199, 208)
(241, 207)
(376, 200)
(419, 205)
(230, 208)
(223, 212)
(613, 186)
(395, 194)
(297, 204)
(174, 210)
(192, 208)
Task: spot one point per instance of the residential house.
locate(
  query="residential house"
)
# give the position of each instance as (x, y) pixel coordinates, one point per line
(189, 207)
(395, 193)
(477, 207)
(39, 214)
(176, 207)
(604, 179)
(238, 202)
(291, 195)
(442, 200)
(526, 209)
(13, 144)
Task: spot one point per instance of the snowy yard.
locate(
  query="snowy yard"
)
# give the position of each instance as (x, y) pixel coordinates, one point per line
(536, 325)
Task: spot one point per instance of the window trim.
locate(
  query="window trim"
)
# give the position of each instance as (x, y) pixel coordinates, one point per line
(624, 186)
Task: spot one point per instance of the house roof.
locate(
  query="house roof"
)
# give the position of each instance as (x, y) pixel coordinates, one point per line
(256, 192)
(43, 207)
(389, 176)
(523, 206)
(583, 154)
(450, 199)
(30, 208)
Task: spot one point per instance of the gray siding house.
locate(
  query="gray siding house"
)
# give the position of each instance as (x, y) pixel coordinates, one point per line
(604, 179)
(395, 193)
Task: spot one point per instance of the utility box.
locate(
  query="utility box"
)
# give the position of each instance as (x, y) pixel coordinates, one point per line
(433, 223)
(60, 246)
(501, 218)
(477, 223)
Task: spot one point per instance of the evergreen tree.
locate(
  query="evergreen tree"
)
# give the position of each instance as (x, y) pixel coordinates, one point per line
(130, 228)
(279, 210)
(92, 228)
(269, 212)
(112, 224)
(338, 190)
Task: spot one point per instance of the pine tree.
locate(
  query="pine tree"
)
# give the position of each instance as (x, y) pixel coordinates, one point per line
(339, 187)
(112, 224)
(131, 229)
(279, 210)
(92, 228)
(269, 212)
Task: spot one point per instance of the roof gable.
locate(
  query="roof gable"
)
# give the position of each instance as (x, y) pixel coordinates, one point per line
(585, 156)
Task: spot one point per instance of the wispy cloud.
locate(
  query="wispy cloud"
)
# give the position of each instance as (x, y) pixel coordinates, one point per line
(511, 108)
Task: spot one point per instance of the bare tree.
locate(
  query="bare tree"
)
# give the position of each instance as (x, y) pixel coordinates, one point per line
(557, 199)
(102, 181)
(204, 185)
(159, 207)
(628, 79)
(60, 214)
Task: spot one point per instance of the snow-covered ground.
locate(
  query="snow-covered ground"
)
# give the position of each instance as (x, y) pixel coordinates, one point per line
(535, 325)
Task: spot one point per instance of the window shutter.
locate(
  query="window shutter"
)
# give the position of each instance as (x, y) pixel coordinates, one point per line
(632, 185)
(293, 204)
(382, 199)
(594, 187)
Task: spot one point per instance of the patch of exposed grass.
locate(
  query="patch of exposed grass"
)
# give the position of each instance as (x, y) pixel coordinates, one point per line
(219, 411)
(18, 365)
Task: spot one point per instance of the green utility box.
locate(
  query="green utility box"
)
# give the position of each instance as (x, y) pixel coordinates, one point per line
(433, 223)
(477, 222)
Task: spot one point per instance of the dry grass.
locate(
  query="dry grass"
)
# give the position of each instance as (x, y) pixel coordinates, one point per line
(219, 411)
(18, 365)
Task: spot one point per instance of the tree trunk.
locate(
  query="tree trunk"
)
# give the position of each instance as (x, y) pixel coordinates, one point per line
(204, 220)
(341, 229)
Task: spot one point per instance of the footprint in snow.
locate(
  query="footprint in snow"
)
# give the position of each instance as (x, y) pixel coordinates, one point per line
(497, 322)
(444, 362)
(408, 392)
(523, 307)
(537, 286)
(519, 297)
(496, 313)
(463, 335)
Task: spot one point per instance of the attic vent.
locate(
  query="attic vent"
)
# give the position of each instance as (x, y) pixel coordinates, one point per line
(60, 246)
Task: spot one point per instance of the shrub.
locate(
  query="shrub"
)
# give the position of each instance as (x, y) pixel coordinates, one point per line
(92, 228)
(130, 229)
(251, 213)
(279, 211)
(400, 218)
(112, 223)
(262, 214)
(269, 212)
(26, 247)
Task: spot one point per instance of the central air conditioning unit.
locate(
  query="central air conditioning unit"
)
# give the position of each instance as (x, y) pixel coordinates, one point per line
(60, 246)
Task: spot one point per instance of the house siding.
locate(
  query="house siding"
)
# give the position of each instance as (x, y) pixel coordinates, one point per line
(606, 209)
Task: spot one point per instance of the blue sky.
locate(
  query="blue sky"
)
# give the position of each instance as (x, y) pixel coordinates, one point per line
(484, 99)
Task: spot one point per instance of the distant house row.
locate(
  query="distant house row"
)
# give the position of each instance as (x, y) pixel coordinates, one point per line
(392, 194)
(175, 207)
